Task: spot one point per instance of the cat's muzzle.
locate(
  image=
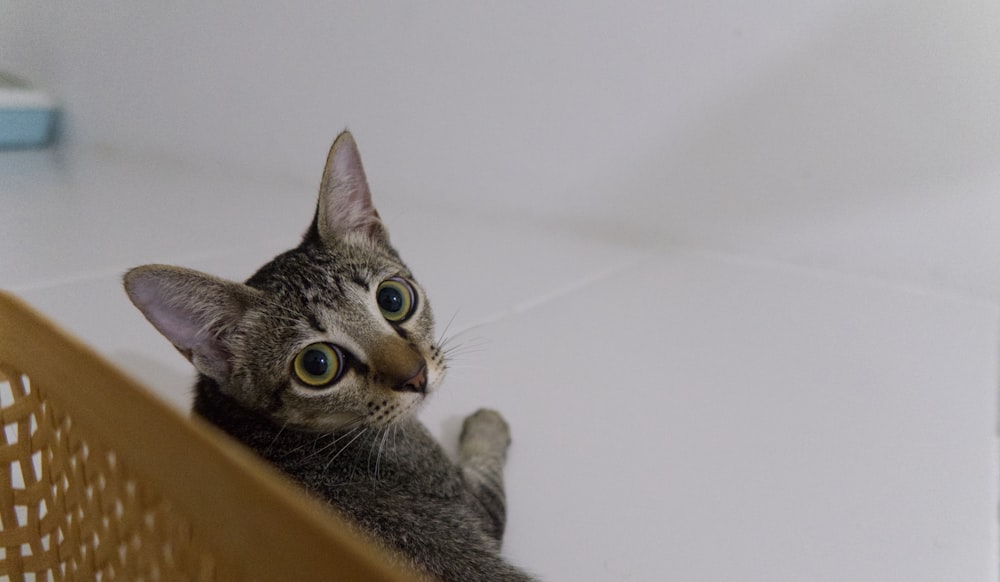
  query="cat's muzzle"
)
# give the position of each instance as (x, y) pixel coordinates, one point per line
(416, 383)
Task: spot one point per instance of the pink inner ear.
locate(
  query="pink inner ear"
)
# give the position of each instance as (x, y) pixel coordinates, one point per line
(193, 310)
(351, 209)
(182, 332)
(347, 161)
(176, 322)
(345, 199)
(182, 315)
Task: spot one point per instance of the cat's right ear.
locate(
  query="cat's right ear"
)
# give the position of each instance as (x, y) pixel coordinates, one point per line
(195, 311)
(345, 208)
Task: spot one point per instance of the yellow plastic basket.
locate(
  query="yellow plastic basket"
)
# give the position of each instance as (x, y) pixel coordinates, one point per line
(100, 480)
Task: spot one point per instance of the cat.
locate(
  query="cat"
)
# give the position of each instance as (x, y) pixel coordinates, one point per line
(320, 361)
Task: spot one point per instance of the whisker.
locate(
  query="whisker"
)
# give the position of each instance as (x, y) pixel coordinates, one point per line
(381, 449)
(462, 351)
(371, 450)
(303, 445)
(475, 340)
(344, 448)
(464, 348)
(446, 328)
(267, 451)
(465, 367)
(460, 333)
(315, 445)
(334, 441)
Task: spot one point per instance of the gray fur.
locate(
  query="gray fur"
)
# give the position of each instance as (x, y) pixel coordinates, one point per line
(356, 443)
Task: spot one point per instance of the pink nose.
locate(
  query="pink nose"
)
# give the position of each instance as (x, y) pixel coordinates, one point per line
(417, 383)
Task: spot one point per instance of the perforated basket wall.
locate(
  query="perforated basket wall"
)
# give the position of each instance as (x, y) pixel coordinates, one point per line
(70, 509)
(99, 480)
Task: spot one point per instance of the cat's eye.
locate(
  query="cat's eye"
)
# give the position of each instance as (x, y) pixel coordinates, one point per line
(396, 299)
(318, 365)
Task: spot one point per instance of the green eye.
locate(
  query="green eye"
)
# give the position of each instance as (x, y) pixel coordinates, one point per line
(395, 299)
(318, 365)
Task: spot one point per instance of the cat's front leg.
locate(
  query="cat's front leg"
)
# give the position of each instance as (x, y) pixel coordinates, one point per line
(482, 453)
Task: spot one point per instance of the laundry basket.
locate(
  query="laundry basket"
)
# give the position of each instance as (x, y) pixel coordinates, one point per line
(99, 480)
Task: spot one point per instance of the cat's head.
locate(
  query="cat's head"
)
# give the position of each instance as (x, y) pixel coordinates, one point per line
(332, 334)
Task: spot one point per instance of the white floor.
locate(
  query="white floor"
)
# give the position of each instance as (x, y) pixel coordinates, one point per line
(677, 414)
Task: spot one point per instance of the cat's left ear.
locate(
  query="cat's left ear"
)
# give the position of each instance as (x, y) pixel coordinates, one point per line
(345, 208)
(195, 311)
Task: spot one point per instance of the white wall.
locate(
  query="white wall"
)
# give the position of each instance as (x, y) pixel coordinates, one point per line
(852, 134)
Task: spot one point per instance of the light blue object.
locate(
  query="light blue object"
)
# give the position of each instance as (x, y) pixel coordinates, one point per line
(27, 115)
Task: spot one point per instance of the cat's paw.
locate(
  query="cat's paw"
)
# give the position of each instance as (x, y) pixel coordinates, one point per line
(484, 432)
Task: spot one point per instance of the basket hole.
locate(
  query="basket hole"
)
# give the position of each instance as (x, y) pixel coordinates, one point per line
(36, 462)
(21, 513)
(168, 553)
(16, 477)
(92, 543)
(6, 393)
(10, 433)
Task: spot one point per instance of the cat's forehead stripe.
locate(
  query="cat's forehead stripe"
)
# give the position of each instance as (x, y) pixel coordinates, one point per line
(361, 281)
(314, 322)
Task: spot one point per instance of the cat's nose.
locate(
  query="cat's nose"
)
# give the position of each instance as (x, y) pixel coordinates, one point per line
(416, 383)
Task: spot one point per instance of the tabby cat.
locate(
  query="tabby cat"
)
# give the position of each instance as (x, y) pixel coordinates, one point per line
(319, 362)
